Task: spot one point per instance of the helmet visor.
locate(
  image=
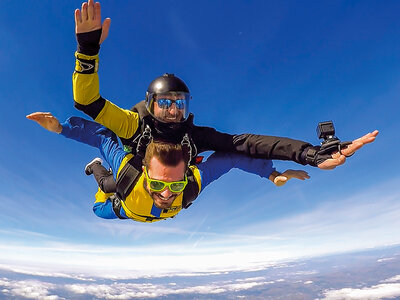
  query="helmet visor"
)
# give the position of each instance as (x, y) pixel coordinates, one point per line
(171, 107)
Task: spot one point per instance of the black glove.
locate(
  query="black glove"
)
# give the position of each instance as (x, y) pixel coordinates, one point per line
(88, 42)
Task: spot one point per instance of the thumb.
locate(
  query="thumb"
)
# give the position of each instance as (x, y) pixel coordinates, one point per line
(104, 29)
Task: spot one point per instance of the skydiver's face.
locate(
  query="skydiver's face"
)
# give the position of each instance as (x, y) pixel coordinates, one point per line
(172, 114)
(156, 170)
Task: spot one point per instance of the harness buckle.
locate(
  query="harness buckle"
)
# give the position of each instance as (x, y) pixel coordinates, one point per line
(186, 145)
(143, 141)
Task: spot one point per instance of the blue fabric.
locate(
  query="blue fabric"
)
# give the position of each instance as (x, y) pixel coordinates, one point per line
(220, 163)
(155, 211)
(96, 135)
(104, 210)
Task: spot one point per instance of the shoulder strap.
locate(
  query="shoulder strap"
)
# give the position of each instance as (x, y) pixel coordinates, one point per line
(116, 204)
(191, 190)
(128, 176)
(132, 170)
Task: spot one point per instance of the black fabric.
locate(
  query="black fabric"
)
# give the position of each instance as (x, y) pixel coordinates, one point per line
(207, 138)
(128, 176)
(191, 190)
(116, 203)
(316, 155)
(168, 132)
(104, 178)
(93, 109)
(88, 42)
(88, 66)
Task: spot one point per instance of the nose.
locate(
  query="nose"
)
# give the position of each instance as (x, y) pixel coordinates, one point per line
(173, 110)
(166, 192)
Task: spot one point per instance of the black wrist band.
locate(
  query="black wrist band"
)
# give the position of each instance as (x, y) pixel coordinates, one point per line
(88, 42)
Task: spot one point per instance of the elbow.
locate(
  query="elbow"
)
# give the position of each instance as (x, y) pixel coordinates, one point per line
(93, 109)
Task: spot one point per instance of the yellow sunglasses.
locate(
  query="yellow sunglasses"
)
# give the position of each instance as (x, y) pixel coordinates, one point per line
(159, 185)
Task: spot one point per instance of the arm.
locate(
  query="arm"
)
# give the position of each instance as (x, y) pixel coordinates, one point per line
(220, 163)
(270, 147)
(86, 132)
(90, 34)
(256, 146)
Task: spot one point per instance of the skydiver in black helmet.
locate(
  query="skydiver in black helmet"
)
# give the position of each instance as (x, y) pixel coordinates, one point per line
(165, 111)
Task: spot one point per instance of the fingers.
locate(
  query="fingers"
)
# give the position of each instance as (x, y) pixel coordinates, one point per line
(299, 174)
(46, 120)
(90, 10)
(105, 29)
(78, 17)
(38, 115)
(88, 18)
(358, 143)
(333, 162)
(84, 11)
(97, 11)
(280, 180)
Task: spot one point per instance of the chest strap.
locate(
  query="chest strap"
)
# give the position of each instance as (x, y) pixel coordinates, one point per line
(130, 173)
(132, 170)
(191, 190)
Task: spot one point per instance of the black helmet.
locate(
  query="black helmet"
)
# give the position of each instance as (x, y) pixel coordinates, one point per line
(162, 93)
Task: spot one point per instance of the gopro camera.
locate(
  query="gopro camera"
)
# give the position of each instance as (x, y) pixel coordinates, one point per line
(325, 130)
(330, 143)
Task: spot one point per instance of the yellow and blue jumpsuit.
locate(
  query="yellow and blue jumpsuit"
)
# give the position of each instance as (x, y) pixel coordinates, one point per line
(139, 206)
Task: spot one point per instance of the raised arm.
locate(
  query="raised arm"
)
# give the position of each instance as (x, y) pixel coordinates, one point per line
(90, 33)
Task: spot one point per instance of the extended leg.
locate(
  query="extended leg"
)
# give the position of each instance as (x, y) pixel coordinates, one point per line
(104, 177)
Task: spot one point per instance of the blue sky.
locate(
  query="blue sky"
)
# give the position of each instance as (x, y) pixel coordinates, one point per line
(265, 67)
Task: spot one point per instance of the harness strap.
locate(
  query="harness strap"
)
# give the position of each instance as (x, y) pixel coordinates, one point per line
(128, 177)
(132, 170)
(116, 205)
(191, 190)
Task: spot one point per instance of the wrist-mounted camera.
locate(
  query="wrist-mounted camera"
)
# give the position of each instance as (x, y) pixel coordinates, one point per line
(330, 144)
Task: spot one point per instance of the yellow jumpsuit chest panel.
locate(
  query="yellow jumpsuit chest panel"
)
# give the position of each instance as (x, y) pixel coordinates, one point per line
(138, 204)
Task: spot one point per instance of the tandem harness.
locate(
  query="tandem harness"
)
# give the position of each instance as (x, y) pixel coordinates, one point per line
(131, 172)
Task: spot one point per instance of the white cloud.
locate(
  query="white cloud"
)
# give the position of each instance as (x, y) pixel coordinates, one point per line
(31, 289)
(390, 290)
(392, 279)
(131, 290)
(364, 220)
(34, 289)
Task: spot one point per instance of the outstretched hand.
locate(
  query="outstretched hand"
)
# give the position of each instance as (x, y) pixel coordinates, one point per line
(89, 19)
(46, 120)
(289, 174)
(340, 158)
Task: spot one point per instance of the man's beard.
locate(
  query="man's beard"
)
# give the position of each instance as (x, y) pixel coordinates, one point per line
(161, 202)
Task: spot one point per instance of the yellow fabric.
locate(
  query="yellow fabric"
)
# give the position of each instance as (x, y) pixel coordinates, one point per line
(138, 204)
(197, 176)
(86, 89)
(121, 121)
(85, 86)
(101, 196)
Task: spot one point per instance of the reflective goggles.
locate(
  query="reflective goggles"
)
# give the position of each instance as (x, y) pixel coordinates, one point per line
(166, 103)
(159, 185)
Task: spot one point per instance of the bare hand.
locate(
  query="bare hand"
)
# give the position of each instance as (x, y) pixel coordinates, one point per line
(89, 19)
(289, 174)
(46, 120)
(340, 158)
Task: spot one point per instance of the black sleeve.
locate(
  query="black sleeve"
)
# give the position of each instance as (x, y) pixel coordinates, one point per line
(257, 146)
